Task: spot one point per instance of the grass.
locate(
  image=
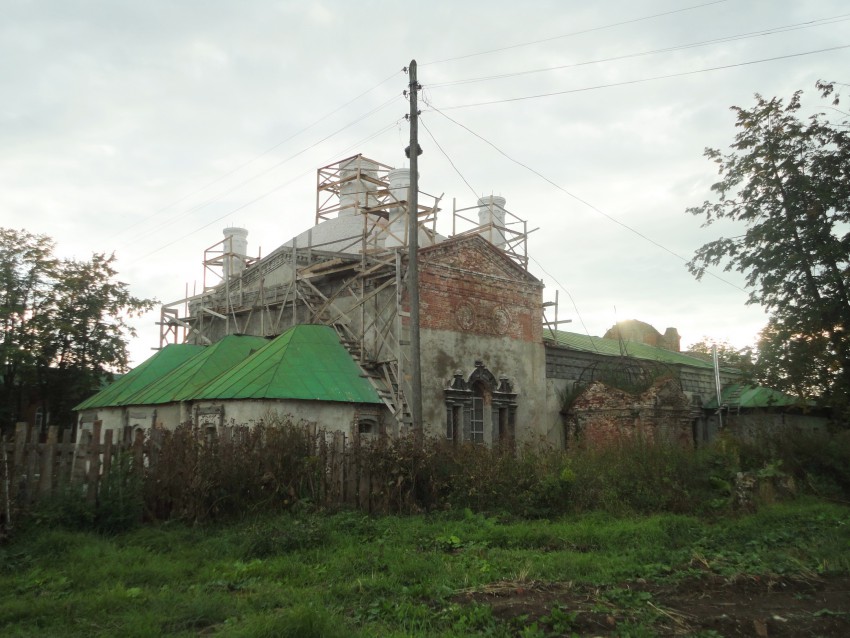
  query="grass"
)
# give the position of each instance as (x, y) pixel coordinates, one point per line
(349, 574)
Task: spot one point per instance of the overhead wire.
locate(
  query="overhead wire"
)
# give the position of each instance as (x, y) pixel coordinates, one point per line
(579, 199)
(691, 45)
(449, 159)
(572, 301)
(574, 33)
(257, 157)
(260, 197)
(268, 170)
(475, 194)
(641, 80)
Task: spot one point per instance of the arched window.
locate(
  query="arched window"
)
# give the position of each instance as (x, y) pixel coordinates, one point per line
(476, 423)
(367, 427)
(480, 409)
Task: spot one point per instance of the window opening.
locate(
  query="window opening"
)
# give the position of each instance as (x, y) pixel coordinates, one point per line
(476, 425)
(454, 422)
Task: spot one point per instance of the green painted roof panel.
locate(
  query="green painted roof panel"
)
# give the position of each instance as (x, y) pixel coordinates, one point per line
(611, 347)
(161, 363)
(748, 396)
(185, 381)
(305, 362)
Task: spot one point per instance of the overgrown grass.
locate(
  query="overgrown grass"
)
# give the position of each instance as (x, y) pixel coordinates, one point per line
(210, 563)
(349, 574)
(276, 469)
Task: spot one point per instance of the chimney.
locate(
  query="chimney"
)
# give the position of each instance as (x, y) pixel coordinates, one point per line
(356, 194)
(236, 250)
(399, 179)
(491, 213)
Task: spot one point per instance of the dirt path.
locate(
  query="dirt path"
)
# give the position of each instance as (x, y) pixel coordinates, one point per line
(708, 607)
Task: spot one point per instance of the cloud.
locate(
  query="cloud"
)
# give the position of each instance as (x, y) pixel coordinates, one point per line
(124, 126)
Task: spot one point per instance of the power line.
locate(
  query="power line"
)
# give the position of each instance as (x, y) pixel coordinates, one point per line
(268, 170)
(475, 194)
(692, 45)
(256, 158)
(575, 306)
(575, 33)
(246, 204)
(456, 169)
(579, 199)
(641, 80)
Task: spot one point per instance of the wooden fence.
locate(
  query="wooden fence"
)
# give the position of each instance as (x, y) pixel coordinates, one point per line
(34, 466)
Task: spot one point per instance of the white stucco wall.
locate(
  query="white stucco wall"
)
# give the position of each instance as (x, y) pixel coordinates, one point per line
(522, 362)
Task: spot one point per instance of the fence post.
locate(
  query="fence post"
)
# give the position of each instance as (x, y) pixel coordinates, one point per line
(32, 463)
(7, 498)
(93, 477)
(66, 459)
(18, 457)
(108, 451)
(139, 453)
(48, 459)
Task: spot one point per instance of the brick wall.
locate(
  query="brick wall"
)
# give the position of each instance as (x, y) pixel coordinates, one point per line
(469, 289)
(601, 415)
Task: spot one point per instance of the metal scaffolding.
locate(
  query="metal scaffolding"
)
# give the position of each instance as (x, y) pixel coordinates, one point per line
(358, 287)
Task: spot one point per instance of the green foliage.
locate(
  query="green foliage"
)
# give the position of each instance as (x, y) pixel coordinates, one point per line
(262, 468)
(386, 575)
(63, 325)
(817, 462)
(282, 534)
(269, 470)
(727, 355)
(66, 509)
(301, 621)
(118, 507)
(785, 182)
(120, 501)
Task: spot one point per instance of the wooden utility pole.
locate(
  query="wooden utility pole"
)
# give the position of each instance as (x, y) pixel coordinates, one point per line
(413, 152)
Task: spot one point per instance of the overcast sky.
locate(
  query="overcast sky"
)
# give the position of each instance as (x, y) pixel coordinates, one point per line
(145, 128)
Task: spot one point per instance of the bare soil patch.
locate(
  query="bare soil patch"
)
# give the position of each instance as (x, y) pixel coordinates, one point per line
(709, 606)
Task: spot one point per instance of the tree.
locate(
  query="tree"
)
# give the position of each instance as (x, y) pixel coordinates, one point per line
(797, 363)
(787, 181)
(63, 326)
(727, 355)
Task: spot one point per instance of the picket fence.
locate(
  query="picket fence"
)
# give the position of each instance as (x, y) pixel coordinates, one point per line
(34, 466)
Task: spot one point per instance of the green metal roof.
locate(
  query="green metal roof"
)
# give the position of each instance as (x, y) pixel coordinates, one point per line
(611, 348)
(748, 396)
(161, 363)
(184, 382)
(305, 362)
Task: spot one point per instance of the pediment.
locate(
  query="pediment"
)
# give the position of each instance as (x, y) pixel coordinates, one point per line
(474, 254)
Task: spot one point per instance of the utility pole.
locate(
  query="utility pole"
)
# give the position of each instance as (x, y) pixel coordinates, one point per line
(413, 152)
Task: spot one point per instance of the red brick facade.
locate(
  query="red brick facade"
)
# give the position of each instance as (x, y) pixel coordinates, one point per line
(467, 285)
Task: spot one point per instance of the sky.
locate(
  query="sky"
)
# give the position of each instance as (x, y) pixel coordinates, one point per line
(145, 128)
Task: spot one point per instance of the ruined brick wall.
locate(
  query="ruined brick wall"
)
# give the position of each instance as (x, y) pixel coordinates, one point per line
(601, 415)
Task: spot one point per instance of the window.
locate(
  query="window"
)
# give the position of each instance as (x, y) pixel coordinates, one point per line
(367, 426)
(454, 422)
(476, 425)
(481, 409)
